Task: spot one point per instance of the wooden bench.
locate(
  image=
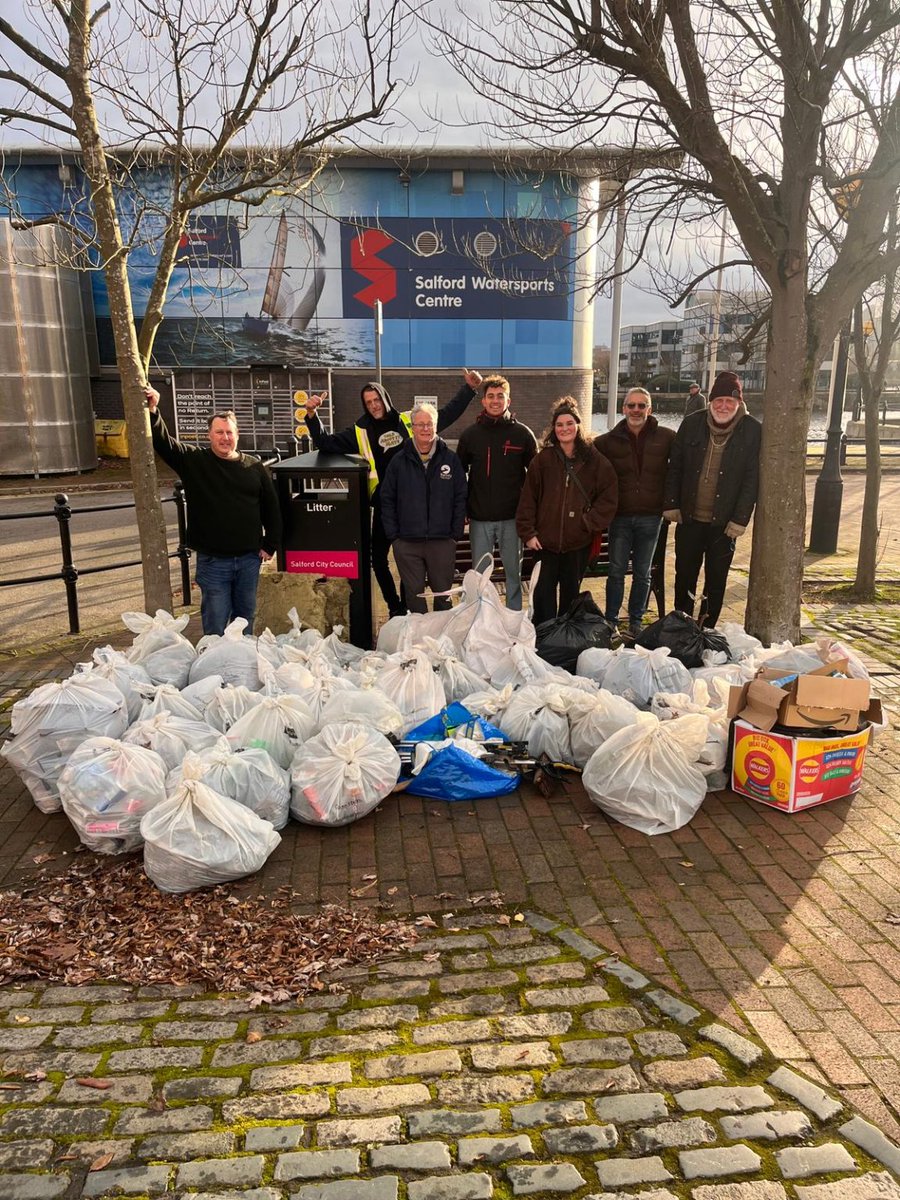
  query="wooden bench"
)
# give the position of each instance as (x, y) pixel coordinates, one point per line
(597, 568)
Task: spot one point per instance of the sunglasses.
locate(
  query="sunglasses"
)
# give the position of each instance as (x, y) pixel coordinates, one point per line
(637, 406)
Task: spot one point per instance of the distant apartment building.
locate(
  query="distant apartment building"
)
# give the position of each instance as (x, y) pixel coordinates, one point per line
(648, 350)
(706, 330)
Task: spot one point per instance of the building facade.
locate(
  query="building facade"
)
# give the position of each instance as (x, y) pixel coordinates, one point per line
(477, 262)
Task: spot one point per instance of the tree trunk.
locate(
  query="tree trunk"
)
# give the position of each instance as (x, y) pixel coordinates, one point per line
(148, 510)
(779, 525)
(867, 558)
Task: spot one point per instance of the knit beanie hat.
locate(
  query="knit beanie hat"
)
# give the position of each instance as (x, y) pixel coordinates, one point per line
(726, 384)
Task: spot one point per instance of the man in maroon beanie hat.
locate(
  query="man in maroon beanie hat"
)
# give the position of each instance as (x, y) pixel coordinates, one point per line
(710, 492)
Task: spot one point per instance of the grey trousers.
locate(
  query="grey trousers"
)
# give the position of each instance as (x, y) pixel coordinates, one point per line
(430, 560)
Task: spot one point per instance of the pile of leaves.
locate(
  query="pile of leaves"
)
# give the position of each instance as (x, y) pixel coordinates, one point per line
(106, 921)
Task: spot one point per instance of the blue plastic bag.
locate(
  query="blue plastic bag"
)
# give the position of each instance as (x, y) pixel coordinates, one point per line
(452, 719)
(453, 774)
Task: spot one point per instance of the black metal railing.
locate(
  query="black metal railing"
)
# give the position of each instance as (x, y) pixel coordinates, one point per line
(69, 572)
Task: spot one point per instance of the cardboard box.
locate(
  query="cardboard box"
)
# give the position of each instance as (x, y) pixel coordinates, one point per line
(794, 773)
(816, 700)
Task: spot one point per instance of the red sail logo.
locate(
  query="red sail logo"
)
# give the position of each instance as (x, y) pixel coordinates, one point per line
(364, 250)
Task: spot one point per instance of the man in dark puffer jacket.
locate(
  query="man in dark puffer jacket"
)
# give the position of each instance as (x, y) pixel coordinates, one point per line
(495, 453)
(423, 506)
(638, 448)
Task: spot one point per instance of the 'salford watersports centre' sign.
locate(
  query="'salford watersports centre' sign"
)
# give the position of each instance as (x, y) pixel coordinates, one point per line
(467, 267)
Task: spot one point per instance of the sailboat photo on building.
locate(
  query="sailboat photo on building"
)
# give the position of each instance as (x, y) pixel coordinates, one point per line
(291, 297)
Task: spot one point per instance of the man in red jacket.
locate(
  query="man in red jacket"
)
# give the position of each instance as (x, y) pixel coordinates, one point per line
(638, 448)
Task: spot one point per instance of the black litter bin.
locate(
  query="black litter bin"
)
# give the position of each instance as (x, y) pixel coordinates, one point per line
(327, 527)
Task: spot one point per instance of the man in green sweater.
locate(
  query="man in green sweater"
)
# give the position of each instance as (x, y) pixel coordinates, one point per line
(233, 516)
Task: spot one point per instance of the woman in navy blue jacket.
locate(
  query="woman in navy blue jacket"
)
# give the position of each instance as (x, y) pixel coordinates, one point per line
(423, 507)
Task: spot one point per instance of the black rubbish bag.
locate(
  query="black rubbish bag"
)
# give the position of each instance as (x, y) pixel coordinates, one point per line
(685, 638)
(581, 627)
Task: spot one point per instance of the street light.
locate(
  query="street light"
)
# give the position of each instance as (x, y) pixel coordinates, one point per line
(826, 515)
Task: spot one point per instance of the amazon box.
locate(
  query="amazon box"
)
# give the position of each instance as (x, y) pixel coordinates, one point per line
(816, 700)
(794, 773)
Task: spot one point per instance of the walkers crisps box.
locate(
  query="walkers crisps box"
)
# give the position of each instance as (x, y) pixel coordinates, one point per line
(793, 773)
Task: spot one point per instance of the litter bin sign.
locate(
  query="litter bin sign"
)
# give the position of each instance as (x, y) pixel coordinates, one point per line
(112, 439)
(327, 527)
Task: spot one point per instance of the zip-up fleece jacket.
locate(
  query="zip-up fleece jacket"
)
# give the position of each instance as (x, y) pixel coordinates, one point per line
(552, 506)
(641, 487)
(421, 501)
(495, 453)
(386, 435)
(232, 506)
(738, 481)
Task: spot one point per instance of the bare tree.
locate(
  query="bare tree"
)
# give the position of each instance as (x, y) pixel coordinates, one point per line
(232, 101)
(872, 366)
(770, 105)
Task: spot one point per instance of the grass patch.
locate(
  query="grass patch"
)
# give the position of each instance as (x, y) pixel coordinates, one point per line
(845, 593)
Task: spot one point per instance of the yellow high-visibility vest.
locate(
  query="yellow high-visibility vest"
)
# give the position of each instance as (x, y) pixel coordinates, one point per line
(365, 448)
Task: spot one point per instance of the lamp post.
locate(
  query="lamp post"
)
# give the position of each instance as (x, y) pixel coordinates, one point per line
(379, 329)
(829, 493)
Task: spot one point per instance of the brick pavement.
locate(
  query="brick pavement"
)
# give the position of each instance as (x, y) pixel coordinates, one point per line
(781, 927)
(502, 1057)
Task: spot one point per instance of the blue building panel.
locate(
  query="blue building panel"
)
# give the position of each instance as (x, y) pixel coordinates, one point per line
(486, 276)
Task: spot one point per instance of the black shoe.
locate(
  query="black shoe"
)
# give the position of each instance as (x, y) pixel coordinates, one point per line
(634, 629)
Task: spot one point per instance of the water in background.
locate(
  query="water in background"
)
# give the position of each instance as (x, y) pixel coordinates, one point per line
(818, 426)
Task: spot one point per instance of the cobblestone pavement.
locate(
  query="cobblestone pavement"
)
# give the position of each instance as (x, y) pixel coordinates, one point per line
(505, 1056)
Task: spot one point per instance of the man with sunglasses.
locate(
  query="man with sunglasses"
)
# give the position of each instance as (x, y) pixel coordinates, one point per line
(638, 449)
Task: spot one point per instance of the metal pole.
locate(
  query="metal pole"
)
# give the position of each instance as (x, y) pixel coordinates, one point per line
(379, 329)
(612, 399)
(826, 515)
(63, 514)
(183, 552)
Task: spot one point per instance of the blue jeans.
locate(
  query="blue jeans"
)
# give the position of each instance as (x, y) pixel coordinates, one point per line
(482, 536)
(630, 538)
(227, 590)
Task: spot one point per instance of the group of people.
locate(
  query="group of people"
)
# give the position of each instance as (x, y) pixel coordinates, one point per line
(556, 499)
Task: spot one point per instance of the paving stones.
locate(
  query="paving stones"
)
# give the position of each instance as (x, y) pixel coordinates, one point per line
(480, 1074)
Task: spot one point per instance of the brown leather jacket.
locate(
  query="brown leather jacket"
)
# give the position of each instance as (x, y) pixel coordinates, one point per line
(641, 489)
(553, 507)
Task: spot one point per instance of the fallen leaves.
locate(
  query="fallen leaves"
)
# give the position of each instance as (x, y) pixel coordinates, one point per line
(99, 1163)
(88, 1081)
(104, 920)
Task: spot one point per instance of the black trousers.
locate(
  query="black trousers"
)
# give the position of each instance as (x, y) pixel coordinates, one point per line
(383, 576)
(699, 544)
(558, 571)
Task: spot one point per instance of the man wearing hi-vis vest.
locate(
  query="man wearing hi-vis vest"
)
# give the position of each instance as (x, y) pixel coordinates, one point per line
(376, 436)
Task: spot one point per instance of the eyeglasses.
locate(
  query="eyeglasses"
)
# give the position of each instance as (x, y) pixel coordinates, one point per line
(637, 405)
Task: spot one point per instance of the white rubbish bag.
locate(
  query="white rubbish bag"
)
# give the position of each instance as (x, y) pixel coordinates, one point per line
(234, 656)
(250, 777)
(646, 775)
(458, 679)
(596, 717)
(593, 663)
(668, 706)
(171, 737)
(369, 706)
(278, 724)
(52, 721)
(159, 646)
(639, 674)
(342, 774)
(830, 649)
(106, 789)
(114, 665)
(408, 680)
(539, 715)
(162, 697)
(197, 838)
(228, 704)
